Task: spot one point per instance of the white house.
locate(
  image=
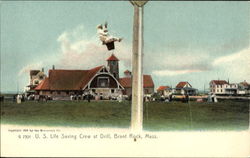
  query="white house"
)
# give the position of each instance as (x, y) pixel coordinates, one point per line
(222, 87)
(218, 86)
(164, 90)
(184, 88)
(243, 88)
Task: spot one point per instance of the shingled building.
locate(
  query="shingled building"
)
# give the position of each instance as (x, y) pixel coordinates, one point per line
(102, 81)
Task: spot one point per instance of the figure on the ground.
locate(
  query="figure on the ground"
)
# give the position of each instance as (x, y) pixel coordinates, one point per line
(170, 97)
(88, 97)
(212, 98)
(186, 99)
(1, 98)
(19, 98)
(119, 98)
(14, 97)
(105, 37)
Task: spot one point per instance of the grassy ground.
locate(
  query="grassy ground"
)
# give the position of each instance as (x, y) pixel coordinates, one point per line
(226, 115)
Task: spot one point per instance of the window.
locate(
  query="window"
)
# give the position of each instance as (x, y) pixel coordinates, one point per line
(103, 82)
(36, 82)
(220, 90)
(112, 91)
(41, 77)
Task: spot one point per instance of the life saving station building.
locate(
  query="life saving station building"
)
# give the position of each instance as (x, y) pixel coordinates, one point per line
(102, 81)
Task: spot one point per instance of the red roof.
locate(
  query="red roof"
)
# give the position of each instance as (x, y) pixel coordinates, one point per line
(161, 88)
(127, 71)
(126, 82)
(219, 82)
(67, 79)
(112, 58)
(182, 84)
(44, 85)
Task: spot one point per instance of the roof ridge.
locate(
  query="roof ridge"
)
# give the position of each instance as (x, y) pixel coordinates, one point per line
(85, 80)
(112, 58)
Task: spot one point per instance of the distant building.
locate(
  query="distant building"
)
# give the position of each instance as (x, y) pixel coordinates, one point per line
(231, 88)
(36, 77)
(126, 82)
(183, 88)
(218, 86)
(127, 73)
(164, 90)
(102, 81)
(243, 88)
(222, 87)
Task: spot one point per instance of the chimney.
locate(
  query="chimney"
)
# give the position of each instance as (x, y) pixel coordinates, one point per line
(53, 67)
(42, 69)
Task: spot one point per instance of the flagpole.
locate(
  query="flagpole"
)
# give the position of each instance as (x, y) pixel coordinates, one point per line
(137, 68)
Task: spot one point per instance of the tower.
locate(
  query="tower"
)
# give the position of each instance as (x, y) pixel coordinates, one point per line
(113, 64)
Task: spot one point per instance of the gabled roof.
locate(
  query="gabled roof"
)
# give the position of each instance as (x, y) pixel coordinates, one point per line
(112, 58)
(126, 82)
(219, 82)
(244, 84)
(182, 84)
(67, 79)
(161, 88)
(44, 85)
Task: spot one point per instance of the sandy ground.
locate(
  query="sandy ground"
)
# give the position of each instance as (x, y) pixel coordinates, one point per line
(65, 141)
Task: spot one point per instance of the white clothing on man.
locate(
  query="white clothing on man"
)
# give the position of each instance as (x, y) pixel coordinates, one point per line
(104, 36)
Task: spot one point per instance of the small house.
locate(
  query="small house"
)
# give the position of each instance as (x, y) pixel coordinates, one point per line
(183, 88)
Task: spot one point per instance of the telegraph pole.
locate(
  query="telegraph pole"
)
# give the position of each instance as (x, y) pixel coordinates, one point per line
(137, 75)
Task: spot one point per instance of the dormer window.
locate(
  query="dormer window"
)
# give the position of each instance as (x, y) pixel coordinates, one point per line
(41, 77)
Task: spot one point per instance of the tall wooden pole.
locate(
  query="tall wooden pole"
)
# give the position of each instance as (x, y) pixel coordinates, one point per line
(137, 63)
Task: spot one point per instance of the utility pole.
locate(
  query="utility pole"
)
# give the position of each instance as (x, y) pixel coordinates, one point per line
(137, 75)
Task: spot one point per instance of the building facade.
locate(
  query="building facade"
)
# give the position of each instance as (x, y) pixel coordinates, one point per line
(183, 88)
(164, 90)
(222, 87)
(102, 81)
(36, 77)
(126, 82)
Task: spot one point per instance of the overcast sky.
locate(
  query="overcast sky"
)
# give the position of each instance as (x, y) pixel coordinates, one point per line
(184, 41)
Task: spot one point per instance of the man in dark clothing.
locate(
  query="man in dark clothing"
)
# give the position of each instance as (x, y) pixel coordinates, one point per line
(88, 97)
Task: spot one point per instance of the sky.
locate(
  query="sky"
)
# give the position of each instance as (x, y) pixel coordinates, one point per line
(183, 41)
